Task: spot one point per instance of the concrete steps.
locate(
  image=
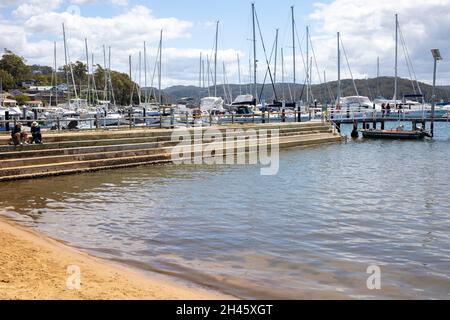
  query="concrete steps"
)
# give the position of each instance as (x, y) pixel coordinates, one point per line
(93, 153)
(9, 151)
(83, 152)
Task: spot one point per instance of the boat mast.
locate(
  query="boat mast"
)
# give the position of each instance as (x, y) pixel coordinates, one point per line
(200, 77)
(94, 86)
(203, 74)
(378, 75)
(65, 59)
(250, 88)
(109, 76)
(282, 72)
(307, 65)
(88, 70)
(254, 53)
(239, 74)
(225, 94)
(208, 66)
(293, 47)
(105, 73)
(396, 59)
(215, 59)
(140, 76)
(160, 67)
(145, 73)
(200, 73)
(55, 75)
(338, 99)
(131, 80)
(276, 58)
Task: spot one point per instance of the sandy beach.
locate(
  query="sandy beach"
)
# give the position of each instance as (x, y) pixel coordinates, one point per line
(33, 266)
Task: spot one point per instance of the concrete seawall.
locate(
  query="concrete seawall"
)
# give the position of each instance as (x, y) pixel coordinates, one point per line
(76, 152)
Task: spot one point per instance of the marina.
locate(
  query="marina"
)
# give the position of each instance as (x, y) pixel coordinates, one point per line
(183, 151)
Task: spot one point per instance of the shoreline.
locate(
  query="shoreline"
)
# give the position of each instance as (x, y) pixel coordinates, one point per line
(34, 266)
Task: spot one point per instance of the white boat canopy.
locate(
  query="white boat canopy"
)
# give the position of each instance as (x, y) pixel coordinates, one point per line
(210, 103)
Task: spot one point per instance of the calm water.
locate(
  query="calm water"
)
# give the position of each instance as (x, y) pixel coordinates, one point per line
(309, 232)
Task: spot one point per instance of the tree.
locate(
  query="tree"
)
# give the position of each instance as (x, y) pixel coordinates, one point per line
(15, 66)
(79, 70)
(43, 79)
(37, 69)
(6, 79)
(121, 83)
(22, 99)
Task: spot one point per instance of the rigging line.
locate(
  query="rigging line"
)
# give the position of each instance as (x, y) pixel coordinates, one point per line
(410, 61)
(286, 29)
(93, 78)
(136, 84)
(303, 88)
(71, 70)
(210, 70)
(208, 75)
(110, 78)
(267, 69)
(328, 89)
(315, 61)
(349, 69)
(368, 89)
(402, 40)
(154, 74)
(265, 54)
(330, 92)
(310, 79)
(301, 52)
(230, 93)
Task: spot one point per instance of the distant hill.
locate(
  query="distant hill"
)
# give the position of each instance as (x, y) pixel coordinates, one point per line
(375, 87)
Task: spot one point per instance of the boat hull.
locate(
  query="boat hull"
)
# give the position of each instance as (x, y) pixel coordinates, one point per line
(387, 134)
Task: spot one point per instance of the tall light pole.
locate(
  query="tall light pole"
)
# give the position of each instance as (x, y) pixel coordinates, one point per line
(436, 56)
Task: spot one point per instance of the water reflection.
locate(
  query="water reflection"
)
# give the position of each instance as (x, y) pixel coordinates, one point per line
(307, 232)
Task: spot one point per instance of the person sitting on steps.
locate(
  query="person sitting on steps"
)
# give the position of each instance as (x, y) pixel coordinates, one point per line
(36, 133)
(19, 137)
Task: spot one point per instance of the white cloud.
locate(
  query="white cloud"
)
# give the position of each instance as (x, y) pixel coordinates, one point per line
(29, 8)
(114, 2)
(368, 31)
(81, 2)
(120, 2)
(125, 33)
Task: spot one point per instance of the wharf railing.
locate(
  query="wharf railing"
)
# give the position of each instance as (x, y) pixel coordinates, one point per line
(337, 115)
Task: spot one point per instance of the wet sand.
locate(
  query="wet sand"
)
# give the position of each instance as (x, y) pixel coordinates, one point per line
(33, 266)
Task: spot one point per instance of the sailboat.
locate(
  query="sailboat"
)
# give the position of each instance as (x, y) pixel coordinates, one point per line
(399, 132)
(212, 104)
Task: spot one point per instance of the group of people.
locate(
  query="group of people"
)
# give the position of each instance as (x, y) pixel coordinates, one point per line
(385, 109)
(20, 137)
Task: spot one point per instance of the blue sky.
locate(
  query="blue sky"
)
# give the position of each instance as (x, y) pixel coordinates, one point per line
(367, 26)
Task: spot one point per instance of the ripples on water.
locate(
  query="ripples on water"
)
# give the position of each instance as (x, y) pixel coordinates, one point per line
(309, 232)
